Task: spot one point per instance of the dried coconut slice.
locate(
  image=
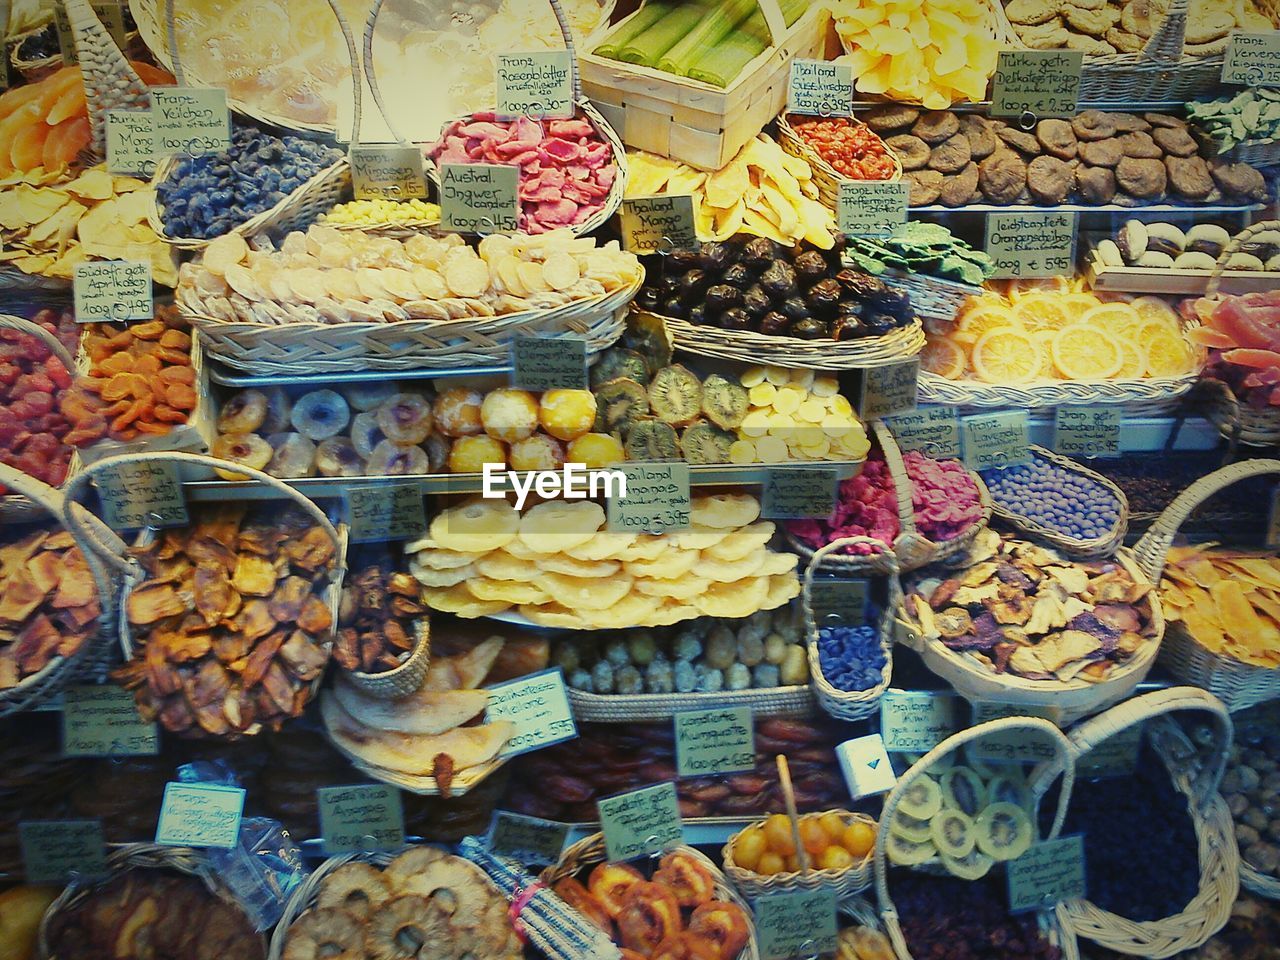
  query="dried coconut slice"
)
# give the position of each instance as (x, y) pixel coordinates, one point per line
(467, 276)
(560, 271)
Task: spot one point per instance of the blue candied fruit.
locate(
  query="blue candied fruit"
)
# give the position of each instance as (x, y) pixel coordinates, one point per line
(1066, 502)
(851, 658)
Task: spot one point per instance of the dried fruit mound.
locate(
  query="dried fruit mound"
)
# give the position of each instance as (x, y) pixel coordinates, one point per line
(32, 429)
(1243, 334)
(1138, 874)
(948, 919)
(943, 496)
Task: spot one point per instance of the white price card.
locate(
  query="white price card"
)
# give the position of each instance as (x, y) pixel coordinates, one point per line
(200, 815)
(866, 767)
(1031, 244)
(821, 88)
(107, 291)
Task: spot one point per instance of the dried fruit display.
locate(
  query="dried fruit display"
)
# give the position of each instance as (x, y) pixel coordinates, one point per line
(152, 912)
(1227, 599)
(852, 658)
(333, 276)
(245, 657)
(763, 191)
(921, 248)
(1061, 499)
(759, 285)
(967, 818)
(1250, 116)
(1095, 158)
(703, 656)
(563, 782)
(557, 565)
(1023, 609)
(566, 167)
(852, 148)
(863, 943)
(140, 382)
(364, 213)
(49, 603)
(33, 382)
(1242, 334)
(1250, 785)
(832, 841)
(1057, 331)
(673, 914)
(1165, 246)
(379, 618)
(206, 196)
(951, 919)
(424, 903)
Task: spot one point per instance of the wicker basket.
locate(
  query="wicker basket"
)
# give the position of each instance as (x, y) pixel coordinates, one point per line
(825, 177)
(1238, 685)
(1081, 549)
(14, 282)
(94, 536)
(855, 704)
(32, 71)
(912, 549)
(136, 856)
(1197, 778)
(844, 882)
(59, 671)
(932, 298)
(304, 347)
(1160, 72)
(407, 677)
(589, 851)
(746, 346)
(1076, 698)
(791, 701)
(1052, 923)
(110, 83)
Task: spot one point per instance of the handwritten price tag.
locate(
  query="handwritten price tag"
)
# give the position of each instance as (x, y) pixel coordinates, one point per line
(1087, 431)
(1252, 59)
(1018, 746)
(54, 851)
(871, 209)
(934, 431)
(888, 390)
(137, 495)
(535, 85)
(526, 839)
(656, 499)
(820, 88)
(191, 120)
(364, 817)
(640, 822)
(200, 815)
(916, 721)
(993, 440)
(1043, 83)
(796, 493)
(103, 721)
(714, 741)
(1031, 244)
(658, 224)
(840, 602)
(1116, 756)
(111, 290)
(1047, 874)
(539, 708)
(131, 142)
(386, 172)
(796, 924)
(479, 198)
(544, 363)
(385, 511)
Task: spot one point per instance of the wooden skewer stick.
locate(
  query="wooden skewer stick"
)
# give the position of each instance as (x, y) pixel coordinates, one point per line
(789, 798)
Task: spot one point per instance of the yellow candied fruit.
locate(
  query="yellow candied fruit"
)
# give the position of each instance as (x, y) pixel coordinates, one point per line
(772, 450)
(457, 411)
(595, 450)
(788, 399)
(470, 454)
(567, 414)
(762, 394)
(755, 424)
(368, 212)
(841, 406)
(812, 410)
(742, 451)
(538, 452)
(509, 414)
(778, 376)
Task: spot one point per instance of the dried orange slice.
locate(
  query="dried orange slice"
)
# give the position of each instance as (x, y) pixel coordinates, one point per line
(1076, 305)
(1168, 355)
(1111, 317)
(943, 357)
(1041, 311)
(1083, 351)
(1029, 287)
(1133, 361)
(975, 323)
(1006, 355)
(1153, 308)
(1044, 340)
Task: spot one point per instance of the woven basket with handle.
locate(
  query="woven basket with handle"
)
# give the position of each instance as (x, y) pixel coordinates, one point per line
(404, 679)
(586, 853)
(1238, 422)
(825, 177)
(46, 502)
(845, 883)
(1160, 72)
(1083, 549)
(1052, 922)
(1238, 685)
(136, 856)
(790, 701)
(1197, 777)
(94, 536)
(912, 549)
(852, 704)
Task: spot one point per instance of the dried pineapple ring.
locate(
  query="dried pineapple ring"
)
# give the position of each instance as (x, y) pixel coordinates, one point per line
(725, 510)
(585, 593)
(631, 610)
(512, 592)
(736, 599)
(556, 525)
(476, 527)
(459, 601)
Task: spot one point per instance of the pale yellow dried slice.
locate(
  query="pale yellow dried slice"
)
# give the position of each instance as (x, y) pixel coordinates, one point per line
(558, 525)
(458, 600)
(727, 571)
(563, 563)
(241, 280)
(725, 510)
(341, 284)
(685, 588)
(513, 592)
(605, 545)
(553, 615)
(777, 564)
(369, 281)
(429, 577)
(742, 542)
(670, 613)
(647, 546)
(479, 526)
(334, 255)
(438, 558)
(508, 270)
(280, 286)
(584, 593)
(467, 276)
(698, 538)
(225, 251)
(560, 271)
(634, 610)
(532, 277)
(430, 283)
(399, 283)
(671, 565)
(738, 599)
(500, 565)
(783, 588)
(308, 284)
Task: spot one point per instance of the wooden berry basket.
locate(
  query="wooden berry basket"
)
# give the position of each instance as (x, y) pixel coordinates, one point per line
(404, 679)
(826, 177)
(783, 701)
(44, 503)
(1072, 547)
(1053, 923)
(845, 882)
(1238, 685)
(1196, 776)
(137, 856)
(590, 851)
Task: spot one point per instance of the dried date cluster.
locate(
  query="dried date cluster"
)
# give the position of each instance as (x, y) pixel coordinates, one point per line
(377, 621)
(948, 919)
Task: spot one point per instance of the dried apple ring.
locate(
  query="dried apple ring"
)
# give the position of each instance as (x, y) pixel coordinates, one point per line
(649, 915)
(689, 880)
(609, 882)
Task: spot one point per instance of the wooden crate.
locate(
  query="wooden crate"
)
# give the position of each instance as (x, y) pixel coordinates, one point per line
(698, 123)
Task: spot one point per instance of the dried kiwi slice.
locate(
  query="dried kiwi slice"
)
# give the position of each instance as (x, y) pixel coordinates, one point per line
(1003, 831)
(618, 362)
(704, 443)
(1009, 788)
(922, 799)
(906, 853)
(972, 866)
(724, 402)
(963, 790)
(952, 832)
(619, 403)
(651, 439)
(909, 828)
(675, 395)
